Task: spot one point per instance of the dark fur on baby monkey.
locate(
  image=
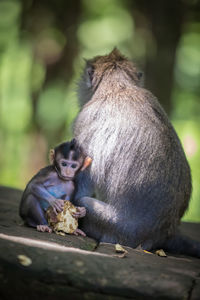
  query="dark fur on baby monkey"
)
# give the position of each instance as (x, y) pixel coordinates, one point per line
(52, 185)
(139, 173)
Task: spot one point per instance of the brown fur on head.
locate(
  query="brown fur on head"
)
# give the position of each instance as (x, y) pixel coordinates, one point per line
(114, 61)
(86, 159)
(114, 72)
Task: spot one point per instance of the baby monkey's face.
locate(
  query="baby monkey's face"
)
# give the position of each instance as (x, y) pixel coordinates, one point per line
(68, 168)
(68, 159)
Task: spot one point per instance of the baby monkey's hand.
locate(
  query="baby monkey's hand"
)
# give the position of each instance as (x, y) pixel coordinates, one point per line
(58, 206)
(80, 212)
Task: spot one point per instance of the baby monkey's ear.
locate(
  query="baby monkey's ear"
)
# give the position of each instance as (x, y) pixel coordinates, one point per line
(86, 163)
(51, 156)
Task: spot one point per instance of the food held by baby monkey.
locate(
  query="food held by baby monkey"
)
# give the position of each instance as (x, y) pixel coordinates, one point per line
(64, 222)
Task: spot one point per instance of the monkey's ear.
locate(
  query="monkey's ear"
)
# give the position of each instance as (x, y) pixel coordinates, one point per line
(139, 75)
(73, 142)
(51, 155)
(90, 73)
(86, 163)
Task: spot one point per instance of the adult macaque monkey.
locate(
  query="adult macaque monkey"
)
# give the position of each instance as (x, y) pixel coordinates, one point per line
(139, 171)
(52, 185)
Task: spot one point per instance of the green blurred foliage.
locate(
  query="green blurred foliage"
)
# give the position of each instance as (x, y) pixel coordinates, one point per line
(186, 107)
(189, 133)
(37, 112)
(105, 27)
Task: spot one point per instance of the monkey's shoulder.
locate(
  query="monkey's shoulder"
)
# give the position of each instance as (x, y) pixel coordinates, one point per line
(43, 174)
(51, 179)
(150, 111)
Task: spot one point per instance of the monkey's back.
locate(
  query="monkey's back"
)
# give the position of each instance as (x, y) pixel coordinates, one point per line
(143, 162)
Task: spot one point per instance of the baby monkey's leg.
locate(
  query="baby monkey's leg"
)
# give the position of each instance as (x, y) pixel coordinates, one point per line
(36, 215)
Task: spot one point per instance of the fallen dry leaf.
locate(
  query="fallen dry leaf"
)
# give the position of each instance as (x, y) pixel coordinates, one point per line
(24, 260)
(139, 247)
(161, 252)
(145, 251)
(120, 249)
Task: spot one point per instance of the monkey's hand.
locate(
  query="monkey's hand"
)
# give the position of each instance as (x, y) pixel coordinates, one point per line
(79, 232)
(80, 212)
(58, 205)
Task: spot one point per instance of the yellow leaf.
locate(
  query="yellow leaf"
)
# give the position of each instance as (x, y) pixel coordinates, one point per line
(161, 252)
(145, 251)
(120, 249)
(24, 260)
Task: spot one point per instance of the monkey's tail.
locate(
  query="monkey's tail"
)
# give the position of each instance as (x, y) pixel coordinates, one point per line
(180, 244)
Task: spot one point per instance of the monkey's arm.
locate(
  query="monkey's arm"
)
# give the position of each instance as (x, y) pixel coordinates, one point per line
(40, 191)
(84, 186)
(45, 197)
(104, 222)
(96, 210)
(37, 186)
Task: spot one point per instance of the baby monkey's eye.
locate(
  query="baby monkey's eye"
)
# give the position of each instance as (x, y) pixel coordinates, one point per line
(74, 166)
(64, 164)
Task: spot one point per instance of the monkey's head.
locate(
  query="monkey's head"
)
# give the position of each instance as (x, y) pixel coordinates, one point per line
(68, 158)
(113, 68)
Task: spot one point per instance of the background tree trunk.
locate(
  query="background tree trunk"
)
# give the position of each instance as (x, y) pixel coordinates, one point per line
(164, 19)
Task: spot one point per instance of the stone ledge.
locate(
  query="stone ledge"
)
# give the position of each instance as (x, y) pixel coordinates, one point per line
(73, 267)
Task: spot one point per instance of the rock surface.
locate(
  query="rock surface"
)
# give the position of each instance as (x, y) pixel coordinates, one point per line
(73, 267)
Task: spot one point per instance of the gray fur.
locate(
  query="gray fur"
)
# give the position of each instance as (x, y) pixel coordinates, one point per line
(139, 169)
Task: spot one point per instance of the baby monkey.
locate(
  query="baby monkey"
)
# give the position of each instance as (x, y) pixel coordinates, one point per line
(52, 185)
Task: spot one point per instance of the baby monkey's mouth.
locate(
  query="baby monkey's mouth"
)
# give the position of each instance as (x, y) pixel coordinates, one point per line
(66, 178)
